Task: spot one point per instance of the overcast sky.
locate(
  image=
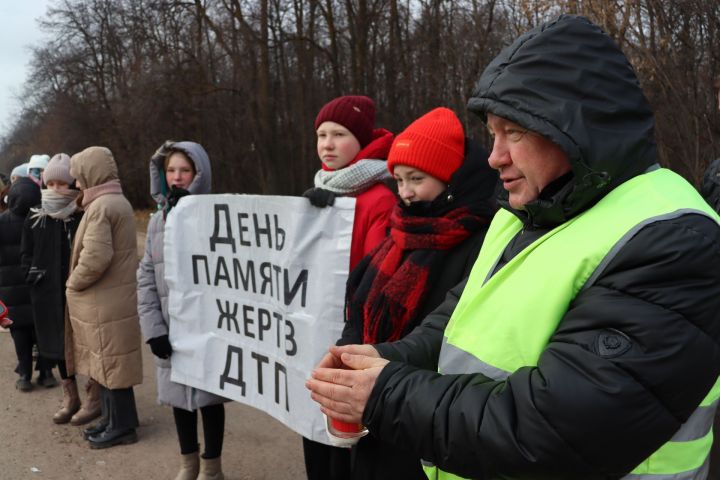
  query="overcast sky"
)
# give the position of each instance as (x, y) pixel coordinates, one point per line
(19, 31)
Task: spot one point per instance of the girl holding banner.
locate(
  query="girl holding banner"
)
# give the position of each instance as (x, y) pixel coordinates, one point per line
(177, 169)
(353, 155)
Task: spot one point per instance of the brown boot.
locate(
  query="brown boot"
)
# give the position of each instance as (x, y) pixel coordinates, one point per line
(71, 401)
(91, 408)
(210, 469)
(189, 466)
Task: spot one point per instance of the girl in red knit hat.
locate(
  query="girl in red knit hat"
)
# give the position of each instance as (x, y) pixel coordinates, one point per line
(353, 153)
(447, 192)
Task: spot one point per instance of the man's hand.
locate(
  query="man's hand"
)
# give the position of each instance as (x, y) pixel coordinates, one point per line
(341, 393)
(332, 358)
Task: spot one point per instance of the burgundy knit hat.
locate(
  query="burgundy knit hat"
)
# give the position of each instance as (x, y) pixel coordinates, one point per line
(354, 112)
(434, 143)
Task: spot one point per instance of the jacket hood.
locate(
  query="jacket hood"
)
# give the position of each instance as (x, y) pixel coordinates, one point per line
(201, 183)
(473, 185)
(94, 166)
(710, 187)
(23, 195)
(568, 81)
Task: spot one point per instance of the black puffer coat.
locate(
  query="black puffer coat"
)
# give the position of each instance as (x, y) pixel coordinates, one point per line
(710, 187)
(46, 248)
(14, 291)
(577, 414)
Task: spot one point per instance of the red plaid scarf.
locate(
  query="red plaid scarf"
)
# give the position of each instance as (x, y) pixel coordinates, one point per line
(387, 287)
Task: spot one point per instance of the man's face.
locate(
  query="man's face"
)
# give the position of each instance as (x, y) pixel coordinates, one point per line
(527, 162)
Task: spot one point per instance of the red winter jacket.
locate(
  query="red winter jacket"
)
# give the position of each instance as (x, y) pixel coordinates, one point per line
(372, 211)
(373, 206)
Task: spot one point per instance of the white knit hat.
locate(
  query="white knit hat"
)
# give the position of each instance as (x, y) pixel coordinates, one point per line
(58, 168)
(38, 161)
(20, 171)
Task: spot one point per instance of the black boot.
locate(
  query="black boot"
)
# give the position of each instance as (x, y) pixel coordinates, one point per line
(95, 429)
(23, 383)
(46, 379)
(109, 438)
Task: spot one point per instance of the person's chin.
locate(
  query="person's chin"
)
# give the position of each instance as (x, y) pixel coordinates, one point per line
(516, 202)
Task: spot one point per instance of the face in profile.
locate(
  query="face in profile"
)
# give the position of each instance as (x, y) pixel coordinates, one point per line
(527, 162)
(179, 170)
(415, 185)
(336, 146)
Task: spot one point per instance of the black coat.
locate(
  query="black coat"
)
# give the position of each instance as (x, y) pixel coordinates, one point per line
(474, 186)
(46, 251)
(710, 187)
(14, 291)
(579, 413)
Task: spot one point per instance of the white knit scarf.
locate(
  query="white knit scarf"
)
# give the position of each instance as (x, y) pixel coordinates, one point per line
(57, 205)
(353, 179)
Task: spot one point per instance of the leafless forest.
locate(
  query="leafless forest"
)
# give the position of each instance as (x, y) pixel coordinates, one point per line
(246, 77)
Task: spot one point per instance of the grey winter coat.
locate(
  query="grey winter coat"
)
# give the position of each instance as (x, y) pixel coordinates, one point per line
(152, 288)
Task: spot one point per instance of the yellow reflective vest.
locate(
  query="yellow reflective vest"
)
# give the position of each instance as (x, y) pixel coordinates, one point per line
(492, 333)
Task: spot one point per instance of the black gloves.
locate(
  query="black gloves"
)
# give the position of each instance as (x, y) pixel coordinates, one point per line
(160, 346)
(175, 195)
(34, 276)
(320, 197)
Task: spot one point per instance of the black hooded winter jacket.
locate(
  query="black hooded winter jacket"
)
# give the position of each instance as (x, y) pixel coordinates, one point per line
(14, 291)
(577, 414)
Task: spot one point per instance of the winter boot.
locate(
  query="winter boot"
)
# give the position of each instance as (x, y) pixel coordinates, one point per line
(189, 466)
(23, 383)
(111, 437)
(46, 379)
(91, 408)
(71, 401)
(210, 469)
(99, 427)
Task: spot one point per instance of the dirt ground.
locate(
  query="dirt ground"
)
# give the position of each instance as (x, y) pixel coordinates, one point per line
(33, 447)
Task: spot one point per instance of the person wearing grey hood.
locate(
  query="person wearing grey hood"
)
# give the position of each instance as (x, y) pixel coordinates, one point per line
(177, 169)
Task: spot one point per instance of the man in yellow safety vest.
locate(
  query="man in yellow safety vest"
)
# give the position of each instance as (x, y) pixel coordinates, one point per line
(586, 342)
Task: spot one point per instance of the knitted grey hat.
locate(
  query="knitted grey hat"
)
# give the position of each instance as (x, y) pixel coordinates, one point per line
(58, 168)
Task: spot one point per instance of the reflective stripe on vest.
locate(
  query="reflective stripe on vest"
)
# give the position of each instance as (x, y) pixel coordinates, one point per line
(492, 333)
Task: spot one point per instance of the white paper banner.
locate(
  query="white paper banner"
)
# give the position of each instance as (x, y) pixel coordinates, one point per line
(257, 286)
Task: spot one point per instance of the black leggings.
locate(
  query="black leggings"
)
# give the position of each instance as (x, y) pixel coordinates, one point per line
(24, 339)
(213, 418)
(62, 368)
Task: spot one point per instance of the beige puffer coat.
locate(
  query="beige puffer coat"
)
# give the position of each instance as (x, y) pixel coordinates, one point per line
(102, 332)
